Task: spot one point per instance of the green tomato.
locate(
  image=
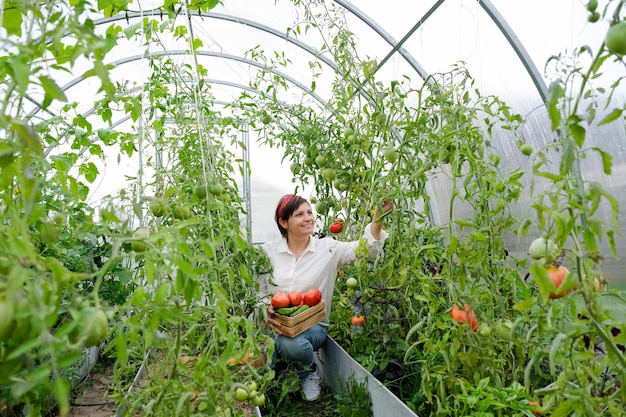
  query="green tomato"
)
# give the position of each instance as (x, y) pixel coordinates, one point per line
(340, 185)
(390, 154)
(542, 248)
(58, 219)
(216, 189)
(329, 174)
(504, 331)
(138, 245)
(266, 119)
(320, 160)
(182, 212)
(241, 394)
(616, 38)
(97, 327)
(322, 207)
(199, 191)
(352, 282)
(157, 208)
(258, 400)
(253, 386)
(484, 329)
(526, 149)
(295, 168)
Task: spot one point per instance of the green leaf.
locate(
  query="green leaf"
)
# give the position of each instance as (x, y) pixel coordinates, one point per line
(61, 388)
(525, 305)
(594, 196)
(197, 43)
(578, 133)
(522, 230)
(561, 226)
(478, 236)
(554, 350)
(465, 223)
(109, 216)
(607, 160)
(182, 406)
(132, 30)
(207, 5)
(23, 348)
(12, 20)
(564, 409)
(20, 72)
(34, 379)
(549, 175)
(454, 243)
(89, 170)
(120, 348)
(614, 115)
(27, 136)
(610, 237)
(52, 91)
(591, 243)
(542, 279)
(568, 155)
(555, 93)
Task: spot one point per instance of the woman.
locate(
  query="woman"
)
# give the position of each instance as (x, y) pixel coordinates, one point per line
(301, 262)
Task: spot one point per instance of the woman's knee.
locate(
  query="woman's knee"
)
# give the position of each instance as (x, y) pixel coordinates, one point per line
(293, 348)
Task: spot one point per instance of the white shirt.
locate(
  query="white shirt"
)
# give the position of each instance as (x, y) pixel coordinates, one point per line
(317, 267)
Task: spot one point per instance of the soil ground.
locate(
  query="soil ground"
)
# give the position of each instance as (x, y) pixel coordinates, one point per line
(91, 399)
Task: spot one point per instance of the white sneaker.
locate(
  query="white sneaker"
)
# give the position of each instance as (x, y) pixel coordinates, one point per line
(311, 386)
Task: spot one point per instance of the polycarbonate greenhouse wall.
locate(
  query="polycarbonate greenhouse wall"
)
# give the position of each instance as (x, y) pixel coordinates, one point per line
(488, 121)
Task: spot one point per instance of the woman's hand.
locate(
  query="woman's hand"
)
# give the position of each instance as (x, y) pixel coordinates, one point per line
(387, 206)
(377, 222)
(271, 321)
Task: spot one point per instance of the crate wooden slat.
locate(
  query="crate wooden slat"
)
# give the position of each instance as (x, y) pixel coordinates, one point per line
(293, 326)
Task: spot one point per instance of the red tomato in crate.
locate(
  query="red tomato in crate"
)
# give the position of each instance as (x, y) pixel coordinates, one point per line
(295, 297)
(312, 297)
(280, 300)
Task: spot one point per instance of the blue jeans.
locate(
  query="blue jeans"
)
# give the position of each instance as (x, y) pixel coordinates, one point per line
(298, 350)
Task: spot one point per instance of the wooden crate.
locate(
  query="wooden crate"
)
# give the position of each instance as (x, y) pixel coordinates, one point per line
(293, 326)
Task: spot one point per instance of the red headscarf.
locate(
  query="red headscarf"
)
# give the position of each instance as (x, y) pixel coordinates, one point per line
(283, 203)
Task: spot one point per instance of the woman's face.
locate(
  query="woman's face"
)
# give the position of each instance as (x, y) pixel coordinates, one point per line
(301, 222)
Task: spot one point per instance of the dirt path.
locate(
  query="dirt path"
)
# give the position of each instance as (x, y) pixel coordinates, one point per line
(92, 400)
